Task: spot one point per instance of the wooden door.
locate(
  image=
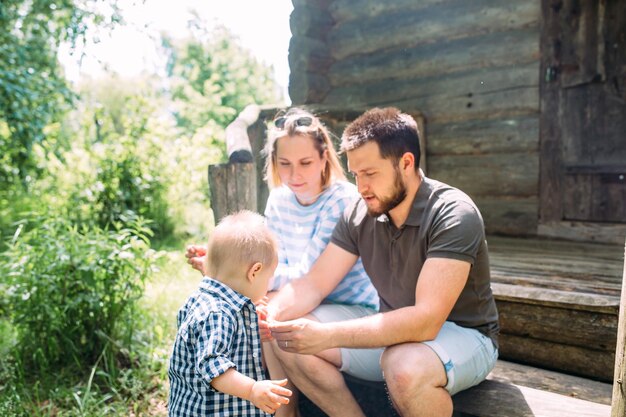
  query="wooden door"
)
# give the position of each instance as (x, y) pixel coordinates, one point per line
(583, 120)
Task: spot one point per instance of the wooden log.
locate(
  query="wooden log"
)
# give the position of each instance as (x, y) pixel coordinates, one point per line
(310, 21)
(575, 360)
(346, 10)
(509, 215)
(594, 330)
(457, 19)
(508, 135)
(307, 87)
(237, 140)
(521, 101)
(466, 85)
(618, 405)
(439, 58)
(318, 4)
(488, 175)
(490, 93)
(233, 188)
(308, 54)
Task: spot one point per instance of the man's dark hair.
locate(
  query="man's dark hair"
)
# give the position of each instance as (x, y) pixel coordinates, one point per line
(395, 133)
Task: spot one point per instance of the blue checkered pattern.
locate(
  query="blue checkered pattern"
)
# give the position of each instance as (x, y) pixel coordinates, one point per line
(217, 330)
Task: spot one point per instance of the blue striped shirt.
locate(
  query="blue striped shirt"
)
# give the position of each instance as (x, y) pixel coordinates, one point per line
(217, 330)
(303, 233)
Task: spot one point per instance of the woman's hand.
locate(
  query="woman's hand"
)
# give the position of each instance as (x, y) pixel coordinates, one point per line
(196, 257)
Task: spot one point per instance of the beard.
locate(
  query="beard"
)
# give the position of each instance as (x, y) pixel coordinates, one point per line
(398, 194)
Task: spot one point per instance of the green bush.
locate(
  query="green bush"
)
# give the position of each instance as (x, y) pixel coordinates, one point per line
(72, 291)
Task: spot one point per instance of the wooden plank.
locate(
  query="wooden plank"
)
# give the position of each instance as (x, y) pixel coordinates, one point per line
(594, 330)
(581, 54)
(515, 216)
(548, 297)
(584, 231)
(549, 126)
(542, 379)
(565, 358)
(233, 188)
(497, 399)
(618, 408)
(608, 197)
(484, 94)
(508, 135)
(439, 58)
(488, 175)
(457, 19)
(607, 257)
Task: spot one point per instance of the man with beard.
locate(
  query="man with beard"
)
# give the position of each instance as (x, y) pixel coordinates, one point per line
(423, 245)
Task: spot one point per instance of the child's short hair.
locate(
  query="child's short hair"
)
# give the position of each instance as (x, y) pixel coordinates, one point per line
(239, 241)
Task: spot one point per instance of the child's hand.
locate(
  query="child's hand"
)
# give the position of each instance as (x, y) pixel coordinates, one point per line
(264, 328)
(196, 257)
(270, 395)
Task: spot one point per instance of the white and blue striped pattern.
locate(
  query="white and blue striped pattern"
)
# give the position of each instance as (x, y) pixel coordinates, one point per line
(217, 330)
(303, 233)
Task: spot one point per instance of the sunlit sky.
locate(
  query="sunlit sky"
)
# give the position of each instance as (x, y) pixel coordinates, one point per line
(261, 26)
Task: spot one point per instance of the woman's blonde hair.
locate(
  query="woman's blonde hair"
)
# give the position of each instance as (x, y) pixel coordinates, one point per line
(297, 121)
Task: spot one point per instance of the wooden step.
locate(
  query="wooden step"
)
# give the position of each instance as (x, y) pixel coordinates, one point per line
(515, 390)
(558, 303)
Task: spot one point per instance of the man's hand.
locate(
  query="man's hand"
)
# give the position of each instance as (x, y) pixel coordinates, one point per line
(301, 336)
(196, 257)
(269, 395)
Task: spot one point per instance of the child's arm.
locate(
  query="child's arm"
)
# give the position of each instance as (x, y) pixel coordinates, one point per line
(266, 395)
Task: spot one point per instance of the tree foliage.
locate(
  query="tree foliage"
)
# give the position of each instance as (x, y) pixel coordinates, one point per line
(213, 78)
(33, 90)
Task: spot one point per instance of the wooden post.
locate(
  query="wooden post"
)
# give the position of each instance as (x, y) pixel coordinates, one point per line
(618, 404)
(233, 188)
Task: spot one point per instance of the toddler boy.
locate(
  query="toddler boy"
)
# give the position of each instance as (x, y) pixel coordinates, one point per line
(216, 368)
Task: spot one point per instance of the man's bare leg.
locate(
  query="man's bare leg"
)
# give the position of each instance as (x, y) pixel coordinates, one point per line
(318, 377)
(277, 372)
(416, 379)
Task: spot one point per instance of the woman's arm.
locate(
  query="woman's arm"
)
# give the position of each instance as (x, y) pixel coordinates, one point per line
(302, 295)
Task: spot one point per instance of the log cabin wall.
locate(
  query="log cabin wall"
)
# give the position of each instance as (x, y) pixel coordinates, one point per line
(471, 68)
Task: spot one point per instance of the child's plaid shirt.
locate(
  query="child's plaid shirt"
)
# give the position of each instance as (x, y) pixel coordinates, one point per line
(217, 330)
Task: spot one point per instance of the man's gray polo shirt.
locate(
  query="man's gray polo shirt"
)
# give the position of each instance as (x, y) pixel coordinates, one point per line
(443, 223)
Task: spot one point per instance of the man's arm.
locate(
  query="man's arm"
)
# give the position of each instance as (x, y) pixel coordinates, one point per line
(439, 285)
(302, 295)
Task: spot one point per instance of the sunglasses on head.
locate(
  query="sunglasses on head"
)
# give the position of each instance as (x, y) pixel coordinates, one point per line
(300, 121)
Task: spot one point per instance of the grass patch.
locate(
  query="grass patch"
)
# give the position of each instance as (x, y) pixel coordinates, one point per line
(139, 388)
